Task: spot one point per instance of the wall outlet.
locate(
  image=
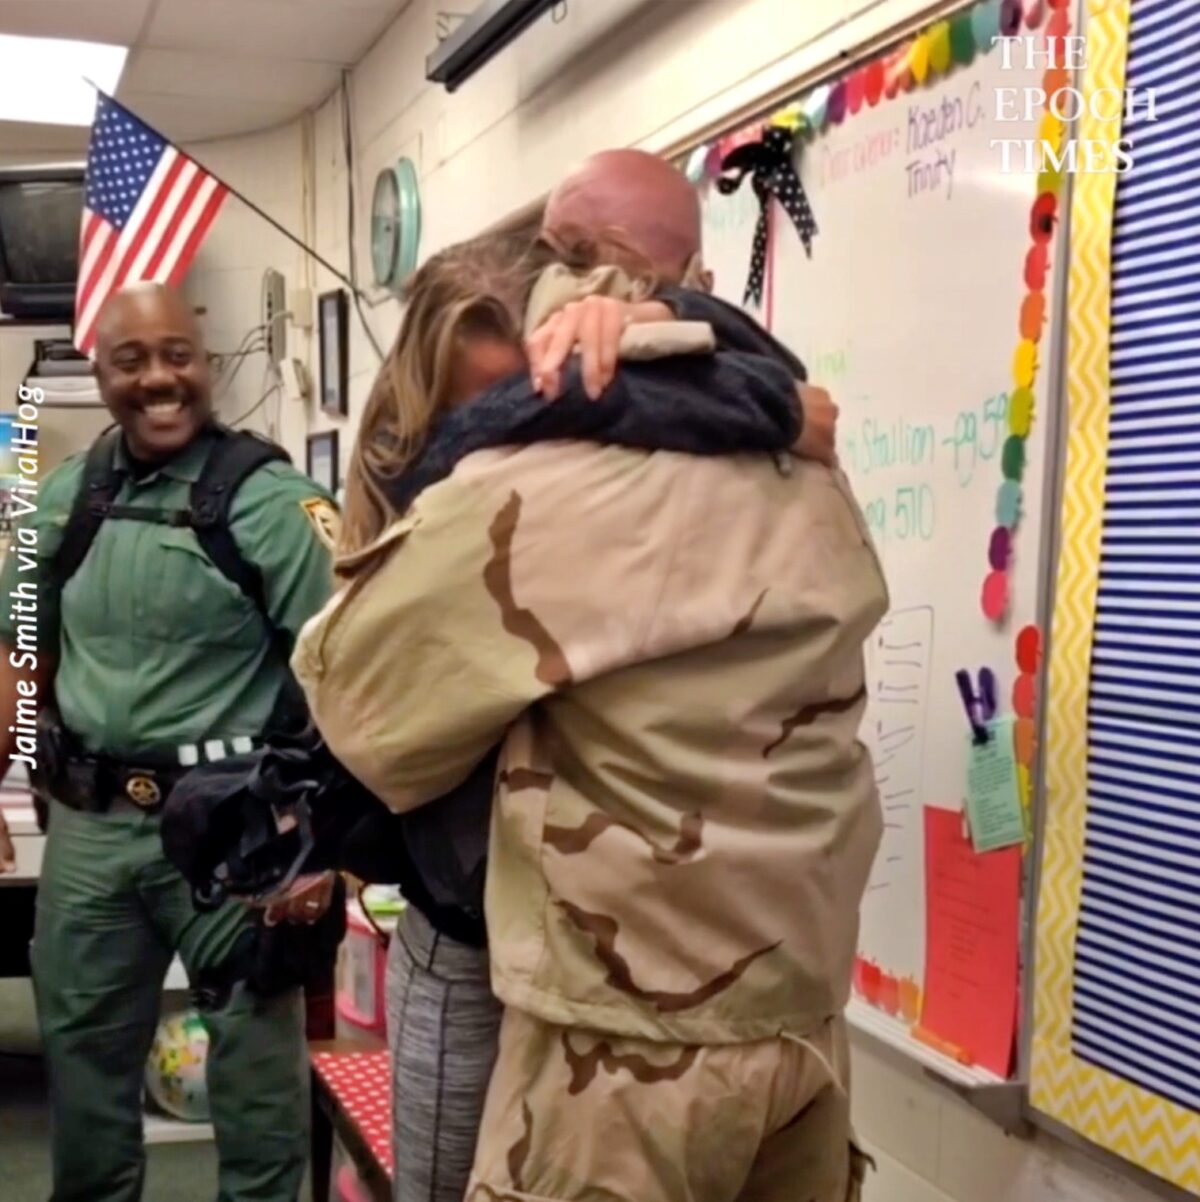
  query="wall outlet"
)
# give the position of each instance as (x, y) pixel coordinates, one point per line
(296, 384)
(302, 308)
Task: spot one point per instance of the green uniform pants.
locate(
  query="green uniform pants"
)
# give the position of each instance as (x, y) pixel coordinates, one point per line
(110, 912)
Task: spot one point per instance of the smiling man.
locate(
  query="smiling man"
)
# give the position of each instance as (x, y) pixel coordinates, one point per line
(153, 371)
(176, 561)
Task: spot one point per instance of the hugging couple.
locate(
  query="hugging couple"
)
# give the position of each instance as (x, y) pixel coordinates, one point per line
(599, 637)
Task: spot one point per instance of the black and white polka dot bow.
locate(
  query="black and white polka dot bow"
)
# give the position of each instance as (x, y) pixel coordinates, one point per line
(773, 173)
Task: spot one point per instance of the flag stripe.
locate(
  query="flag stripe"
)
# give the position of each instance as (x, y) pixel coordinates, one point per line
(171, 248)
(91, 242)
(143, 225)
(148, 206)
(105, 240)
(208, 215)
(114, 275)
(157, 235)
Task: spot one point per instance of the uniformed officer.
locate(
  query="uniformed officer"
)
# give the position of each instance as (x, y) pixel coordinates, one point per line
(154, 656)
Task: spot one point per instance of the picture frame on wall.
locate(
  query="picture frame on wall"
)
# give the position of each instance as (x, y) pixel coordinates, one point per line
(321, 460)
(333, 325)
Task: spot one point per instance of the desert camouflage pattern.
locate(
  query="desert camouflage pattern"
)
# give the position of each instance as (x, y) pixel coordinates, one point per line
(582, 1117)
(557, 286)
(671, 649)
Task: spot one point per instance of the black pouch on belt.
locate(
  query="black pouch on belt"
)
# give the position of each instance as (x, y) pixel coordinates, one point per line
(53, 776)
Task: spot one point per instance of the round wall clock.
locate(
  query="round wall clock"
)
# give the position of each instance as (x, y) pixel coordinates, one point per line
(395, 224)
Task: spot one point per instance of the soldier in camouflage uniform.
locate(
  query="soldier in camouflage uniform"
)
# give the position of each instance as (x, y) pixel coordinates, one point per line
(684, 817)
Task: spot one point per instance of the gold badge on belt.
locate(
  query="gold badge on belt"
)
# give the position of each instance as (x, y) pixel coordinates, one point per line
(143, 791)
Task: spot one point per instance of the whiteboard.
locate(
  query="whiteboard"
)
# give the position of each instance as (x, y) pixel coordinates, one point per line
(908, 311)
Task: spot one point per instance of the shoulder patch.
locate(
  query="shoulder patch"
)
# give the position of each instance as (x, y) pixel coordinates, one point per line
(325, 520)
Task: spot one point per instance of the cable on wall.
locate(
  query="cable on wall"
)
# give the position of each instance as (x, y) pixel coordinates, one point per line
(348, 150)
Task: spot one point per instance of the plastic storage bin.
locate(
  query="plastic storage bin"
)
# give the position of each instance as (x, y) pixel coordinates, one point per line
(348, 1187)
(362, 973)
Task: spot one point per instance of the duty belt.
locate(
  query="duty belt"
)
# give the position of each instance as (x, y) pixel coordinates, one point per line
(93, 783)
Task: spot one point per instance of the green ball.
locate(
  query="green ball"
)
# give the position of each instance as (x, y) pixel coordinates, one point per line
(962, 39)
(1012, 458)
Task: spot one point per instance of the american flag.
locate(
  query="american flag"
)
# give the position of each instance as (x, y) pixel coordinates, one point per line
(147, 207)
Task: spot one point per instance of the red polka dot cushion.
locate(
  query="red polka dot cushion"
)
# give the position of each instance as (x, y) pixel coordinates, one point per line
(362, 1084)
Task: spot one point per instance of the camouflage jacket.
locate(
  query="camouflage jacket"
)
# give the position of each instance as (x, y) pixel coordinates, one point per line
(684, 816)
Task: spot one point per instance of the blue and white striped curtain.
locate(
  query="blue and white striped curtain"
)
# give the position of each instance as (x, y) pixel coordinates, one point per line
(1137, 973)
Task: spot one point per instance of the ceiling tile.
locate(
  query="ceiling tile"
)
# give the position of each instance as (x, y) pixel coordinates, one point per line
(236, 77)
(114, 21)
(212, 68)
(333, 31)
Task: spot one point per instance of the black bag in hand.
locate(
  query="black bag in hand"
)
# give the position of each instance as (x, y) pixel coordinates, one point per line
(273, 959)
(247, 825)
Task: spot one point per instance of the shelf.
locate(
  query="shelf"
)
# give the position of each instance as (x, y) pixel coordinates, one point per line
(159, 1129)
(896, 1034)
(999, 1099)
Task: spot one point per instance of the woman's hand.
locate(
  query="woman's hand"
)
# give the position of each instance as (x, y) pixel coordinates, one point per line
(306, 901)
(593, 328)
(818, 433)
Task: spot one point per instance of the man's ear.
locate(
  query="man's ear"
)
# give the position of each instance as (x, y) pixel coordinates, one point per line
(696, 275)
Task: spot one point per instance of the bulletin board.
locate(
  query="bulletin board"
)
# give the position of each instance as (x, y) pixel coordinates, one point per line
(1116, 1024)
(932, 306)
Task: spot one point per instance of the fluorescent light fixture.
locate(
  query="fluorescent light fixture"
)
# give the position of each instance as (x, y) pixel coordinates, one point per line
(480, 38)
(44, 79)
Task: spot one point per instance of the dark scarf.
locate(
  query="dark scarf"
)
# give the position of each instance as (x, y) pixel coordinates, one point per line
(721, 404)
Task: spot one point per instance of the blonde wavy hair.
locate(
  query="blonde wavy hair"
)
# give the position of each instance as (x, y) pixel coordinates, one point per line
(474, 289)
(470, 290)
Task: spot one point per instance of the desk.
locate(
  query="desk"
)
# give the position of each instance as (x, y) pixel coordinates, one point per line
(352, 1096)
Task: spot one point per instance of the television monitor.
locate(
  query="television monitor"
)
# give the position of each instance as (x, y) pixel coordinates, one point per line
(40, 210)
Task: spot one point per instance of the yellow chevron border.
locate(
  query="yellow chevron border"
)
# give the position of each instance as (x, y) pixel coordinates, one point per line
(1137, 1125)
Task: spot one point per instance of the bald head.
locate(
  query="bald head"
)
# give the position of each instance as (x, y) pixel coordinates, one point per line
(152, 369)
(140, 304)
(636, 197)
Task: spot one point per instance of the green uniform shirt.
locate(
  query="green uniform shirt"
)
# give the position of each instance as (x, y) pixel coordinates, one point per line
(156, 648)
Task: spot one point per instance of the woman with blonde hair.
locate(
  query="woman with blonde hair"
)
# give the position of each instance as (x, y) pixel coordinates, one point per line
(456, 381)
(461, 332)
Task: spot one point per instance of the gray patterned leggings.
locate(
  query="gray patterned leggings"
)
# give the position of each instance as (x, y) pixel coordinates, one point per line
(443, 1028)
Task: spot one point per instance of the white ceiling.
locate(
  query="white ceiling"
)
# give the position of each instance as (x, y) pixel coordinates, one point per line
(204, 68)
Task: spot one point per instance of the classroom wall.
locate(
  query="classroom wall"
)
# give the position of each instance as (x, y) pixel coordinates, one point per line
(226, 277)
(612, 72)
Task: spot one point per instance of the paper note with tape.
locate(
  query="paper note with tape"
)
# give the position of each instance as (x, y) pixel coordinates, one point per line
(994, 811)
